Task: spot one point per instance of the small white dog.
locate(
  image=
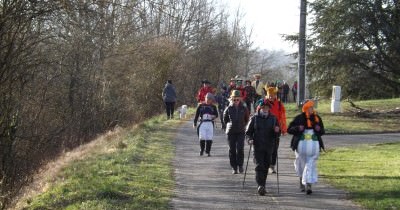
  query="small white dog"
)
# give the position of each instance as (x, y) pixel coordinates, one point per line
(182, 112)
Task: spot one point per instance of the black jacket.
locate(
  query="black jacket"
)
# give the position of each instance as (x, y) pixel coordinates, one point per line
(235, 119)
(301, 120)
(261, 130)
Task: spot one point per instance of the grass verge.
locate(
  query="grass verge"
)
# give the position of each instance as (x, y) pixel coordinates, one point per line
(370, 173)
(132, 170)
(349, 122)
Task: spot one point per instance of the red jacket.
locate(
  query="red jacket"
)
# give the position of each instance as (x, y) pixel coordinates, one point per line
(201, 95)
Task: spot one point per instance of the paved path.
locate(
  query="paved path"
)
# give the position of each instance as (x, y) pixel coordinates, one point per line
(207, 183)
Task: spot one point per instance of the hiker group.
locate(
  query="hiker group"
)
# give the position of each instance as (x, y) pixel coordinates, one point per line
(255, 111)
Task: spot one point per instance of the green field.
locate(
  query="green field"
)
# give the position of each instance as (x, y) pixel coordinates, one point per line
(370, 173)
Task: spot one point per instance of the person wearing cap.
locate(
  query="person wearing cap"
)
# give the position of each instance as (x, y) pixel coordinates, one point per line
(169, 98)
(236, 117)
(259, 86)
(279, 111)
(206, 88)
(207, 112)
(261, 131)
(307, 129)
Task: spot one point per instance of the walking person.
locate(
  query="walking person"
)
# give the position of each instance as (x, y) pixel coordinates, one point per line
(279, 111)
(250, 94)
(259, 87)
(207, 112)
(261, 132)
(236, 116)
(206, 88)
(307, 129)
(294, 90)
(222, 101)
(169, 98)
(286, 90)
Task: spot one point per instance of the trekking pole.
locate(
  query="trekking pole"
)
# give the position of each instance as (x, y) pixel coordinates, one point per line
(245, 171)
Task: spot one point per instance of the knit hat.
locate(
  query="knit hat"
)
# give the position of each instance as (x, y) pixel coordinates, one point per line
(307, 105)
(271, 91)
(235, 94)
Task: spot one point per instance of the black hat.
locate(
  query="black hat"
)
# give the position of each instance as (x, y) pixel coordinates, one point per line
(205, 81)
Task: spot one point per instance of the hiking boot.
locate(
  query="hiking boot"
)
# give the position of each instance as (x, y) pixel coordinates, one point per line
(234, 171)
(241, 169)
(308, 189)
(261, 190)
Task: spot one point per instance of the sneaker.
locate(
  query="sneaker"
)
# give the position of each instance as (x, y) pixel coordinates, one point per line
(234, 171)
(241, 169)
(208, 154)
(261, 190)
(201, 153)
(308, 189)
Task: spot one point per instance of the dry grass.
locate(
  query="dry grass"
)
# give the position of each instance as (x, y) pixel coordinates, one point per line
(106, 143)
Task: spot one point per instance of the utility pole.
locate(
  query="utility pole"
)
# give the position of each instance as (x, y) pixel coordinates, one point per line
(301, 90)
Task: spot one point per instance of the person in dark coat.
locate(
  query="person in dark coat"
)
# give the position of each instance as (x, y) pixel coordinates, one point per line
(250, 94)
(261, 132)
(307, 129)
(169, 98)
(236, 117)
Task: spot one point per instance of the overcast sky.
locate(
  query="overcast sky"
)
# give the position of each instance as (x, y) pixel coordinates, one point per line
(269, 19)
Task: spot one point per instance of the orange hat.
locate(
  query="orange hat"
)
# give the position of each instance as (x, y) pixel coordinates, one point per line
(307, 105)
(272, 91)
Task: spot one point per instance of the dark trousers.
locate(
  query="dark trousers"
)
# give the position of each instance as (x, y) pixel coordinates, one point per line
(169, 108)
(262, 160)
(205, 145)
(236, 149)
(275, 152)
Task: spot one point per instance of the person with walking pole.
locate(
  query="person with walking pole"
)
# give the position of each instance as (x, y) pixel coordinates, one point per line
(261, 132)
(307, 129)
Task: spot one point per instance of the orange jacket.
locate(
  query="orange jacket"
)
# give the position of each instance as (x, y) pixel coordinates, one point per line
(278, 110)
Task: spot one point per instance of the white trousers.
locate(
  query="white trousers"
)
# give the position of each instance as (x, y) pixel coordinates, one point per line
(305, 164)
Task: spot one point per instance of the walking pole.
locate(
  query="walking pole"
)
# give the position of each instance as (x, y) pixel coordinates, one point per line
(245, 171)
